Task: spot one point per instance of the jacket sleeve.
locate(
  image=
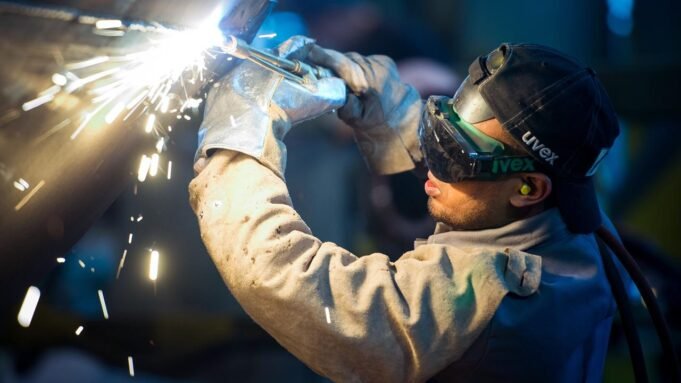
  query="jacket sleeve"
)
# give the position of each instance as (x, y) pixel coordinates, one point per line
(348, 318)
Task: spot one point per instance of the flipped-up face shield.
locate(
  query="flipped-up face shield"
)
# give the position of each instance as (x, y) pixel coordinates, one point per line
(467, 101)
(455, 150)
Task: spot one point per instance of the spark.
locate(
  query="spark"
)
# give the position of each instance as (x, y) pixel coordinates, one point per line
(86, 121)
(158, 68)
(132, 219)
(153, 265)
(131, 366)
(113, 113)
(109, 33)
(137, 100)
(170, 128)
(328, 314)
(149, 74)
(144, 79)
(151, 120)
(191, 103)
(103, 92)
(61, 260)
(267, 36)
(170, 168)
(28, 196)
(160, 144)
(139, 82)
(101, 301)
(53, 90)
(59, 79)
(36, 102)
(81, 82)
(87, 63)
(143, 170)
(153, 169)
(70, 76)
(21, 184)
(165, 104)
(139, 218)
(121, 263)
(108, 24)
(52, 131)
(79, 330)
(130, 113)
(28, 306)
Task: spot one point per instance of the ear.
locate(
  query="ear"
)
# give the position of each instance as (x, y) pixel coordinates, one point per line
(540, 189)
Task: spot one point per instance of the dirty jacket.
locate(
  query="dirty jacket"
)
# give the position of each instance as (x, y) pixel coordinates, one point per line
(454, 301)
(558, 334)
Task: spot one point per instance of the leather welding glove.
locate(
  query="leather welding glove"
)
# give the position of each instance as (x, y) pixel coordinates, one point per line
(384, 112)
(251, 109)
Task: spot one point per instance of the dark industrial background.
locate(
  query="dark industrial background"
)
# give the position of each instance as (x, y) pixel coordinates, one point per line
(186, 326)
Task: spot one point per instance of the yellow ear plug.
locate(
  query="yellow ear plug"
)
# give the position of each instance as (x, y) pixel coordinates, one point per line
(525, 189)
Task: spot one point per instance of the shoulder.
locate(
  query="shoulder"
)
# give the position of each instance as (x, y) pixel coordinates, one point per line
(517, 271)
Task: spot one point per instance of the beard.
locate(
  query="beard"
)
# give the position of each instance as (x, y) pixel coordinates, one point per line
(473, 216)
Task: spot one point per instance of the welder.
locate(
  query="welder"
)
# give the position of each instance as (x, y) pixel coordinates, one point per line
(510, 287)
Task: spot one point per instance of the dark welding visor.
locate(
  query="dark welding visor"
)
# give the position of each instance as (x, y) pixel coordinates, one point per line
(455, 150)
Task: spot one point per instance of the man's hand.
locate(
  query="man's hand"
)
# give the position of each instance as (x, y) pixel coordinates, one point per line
(384, 112)
(251, 109)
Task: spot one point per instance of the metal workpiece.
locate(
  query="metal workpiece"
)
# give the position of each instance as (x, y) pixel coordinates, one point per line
(147, 16)
(63, 161)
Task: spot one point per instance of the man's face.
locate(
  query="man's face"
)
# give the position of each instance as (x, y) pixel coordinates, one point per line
(474, 204)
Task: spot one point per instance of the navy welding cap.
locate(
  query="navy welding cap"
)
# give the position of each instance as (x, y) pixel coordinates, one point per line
(556, 109)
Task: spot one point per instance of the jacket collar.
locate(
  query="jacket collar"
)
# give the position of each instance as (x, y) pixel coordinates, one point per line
(521, 235)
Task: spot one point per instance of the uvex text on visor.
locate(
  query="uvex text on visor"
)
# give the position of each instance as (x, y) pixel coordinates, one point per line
(455, 150)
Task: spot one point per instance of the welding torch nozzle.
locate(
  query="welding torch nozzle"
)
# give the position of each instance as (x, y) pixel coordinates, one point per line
(287, 67)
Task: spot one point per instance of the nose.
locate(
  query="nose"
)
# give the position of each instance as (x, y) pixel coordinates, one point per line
(431, 176)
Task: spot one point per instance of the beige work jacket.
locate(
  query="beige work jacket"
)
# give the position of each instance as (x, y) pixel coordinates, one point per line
(349, 318)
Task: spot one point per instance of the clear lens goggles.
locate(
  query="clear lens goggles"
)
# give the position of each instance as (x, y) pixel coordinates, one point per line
(455, 150)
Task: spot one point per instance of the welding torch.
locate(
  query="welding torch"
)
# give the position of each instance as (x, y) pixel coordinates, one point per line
(292, 69)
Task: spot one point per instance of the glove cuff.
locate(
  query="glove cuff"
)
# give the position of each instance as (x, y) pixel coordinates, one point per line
(393, 147)
(273, 154)
(272, 151)
(383, 150)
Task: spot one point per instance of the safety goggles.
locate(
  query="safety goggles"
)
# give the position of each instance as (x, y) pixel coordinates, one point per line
(455, 150)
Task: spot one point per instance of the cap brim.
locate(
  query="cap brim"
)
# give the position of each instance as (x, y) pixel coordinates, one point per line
(578, 204)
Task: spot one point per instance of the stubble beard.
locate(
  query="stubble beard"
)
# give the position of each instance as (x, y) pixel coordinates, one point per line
(477, 217)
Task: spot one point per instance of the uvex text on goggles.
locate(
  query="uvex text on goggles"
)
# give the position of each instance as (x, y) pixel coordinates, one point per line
(455, 150)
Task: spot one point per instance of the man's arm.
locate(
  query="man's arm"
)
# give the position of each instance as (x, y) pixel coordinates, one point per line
(348, 318)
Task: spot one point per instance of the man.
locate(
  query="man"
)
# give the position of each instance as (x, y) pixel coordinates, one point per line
(509, 288)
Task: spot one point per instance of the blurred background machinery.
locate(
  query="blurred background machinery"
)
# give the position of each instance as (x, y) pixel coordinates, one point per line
(184, 325)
